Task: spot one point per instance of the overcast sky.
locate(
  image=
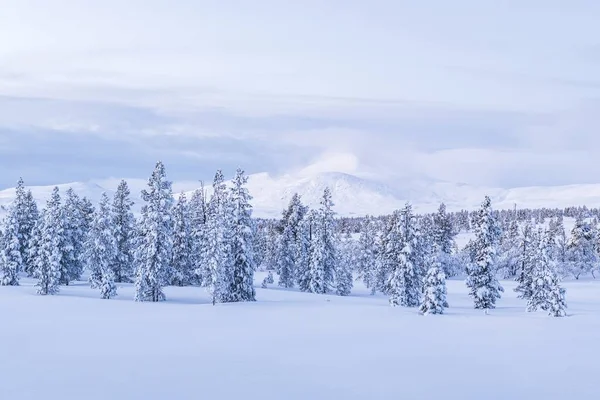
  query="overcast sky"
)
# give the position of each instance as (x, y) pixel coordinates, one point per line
(502, 93)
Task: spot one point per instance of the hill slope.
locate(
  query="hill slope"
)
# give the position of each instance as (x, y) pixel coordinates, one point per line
(355, 196)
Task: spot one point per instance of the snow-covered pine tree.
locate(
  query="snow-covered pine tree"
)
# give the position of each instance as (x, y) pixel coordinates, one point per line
(389, 247)
(23, 215)
(560, 248)
(124, 232)
(405, 283)
(509, 257)
(345, 264)
(48, 253)
(306, 237)
(367, 254)
(217, 271)
(182, 244)
(483, 285)
(74, 237)
(546, 292)
(86, 210)
(323, 257)
(31, 217)
(155, 241)
(198, 210)
(100, 250)
(528, 251)
(289, 248)
(443, 231)
(581, 255)
(242, 283)
(11, 262)
(434, 291)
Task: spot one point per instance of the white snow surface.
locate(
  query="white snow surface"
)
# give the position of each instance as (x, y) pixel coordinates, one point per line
(353, 195)
(292, 345)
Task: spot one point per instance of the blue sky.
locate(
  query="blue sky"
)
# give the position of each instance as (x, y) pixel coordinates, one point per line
(488, 93)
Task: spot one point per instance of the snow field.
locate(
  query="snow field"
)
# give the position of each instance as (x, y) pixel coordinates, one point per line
(292, 345)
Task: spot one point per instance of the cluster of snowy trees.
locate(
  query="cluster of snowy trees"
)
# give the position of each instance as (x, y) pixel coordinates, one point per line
(204, 242)
(307, 251)
(214, 242)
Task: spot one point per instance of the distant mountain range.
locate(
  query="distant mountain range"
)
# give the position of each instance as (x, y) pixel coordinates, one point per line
(352, 195)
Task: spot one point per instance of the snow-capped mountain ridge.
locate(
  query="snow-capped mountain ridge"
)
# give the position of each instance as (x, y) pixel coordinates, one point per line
(353, 195)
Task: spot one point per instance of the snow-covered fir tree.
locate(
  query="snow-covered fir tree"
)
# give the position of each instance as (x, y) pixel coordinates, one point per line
(123, 225)
(198, 210)
(155, 241)
(388, 250)
(443, 231)
(11, 262)
(48, 253)
(242, 282)
(289, 249)
(31, 217)
(434, 291)
(74, 237)
(23, 215)
(482, 282)
(367, 254)
(546, 292)
(582, 257)
(18, 227)
(345, 265)
(405, 282)
(100, 250)
(217, 271)
(527, 260)
(323, 257)
(509, 257)
(308, 231)
(182, 265)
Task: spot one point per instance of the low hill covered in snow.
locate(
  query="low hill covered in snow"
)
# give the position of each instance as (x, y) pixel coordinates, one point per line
(353, 195)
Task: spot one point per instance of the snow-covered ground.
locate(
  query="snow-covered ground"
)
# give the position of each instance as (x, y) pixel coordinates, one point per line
(291, 345)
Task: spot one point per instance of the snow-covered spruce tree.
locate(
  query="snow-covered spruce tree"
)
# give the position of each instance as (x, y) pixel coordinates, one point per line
(389, 247)
(434, 292)
(546, 292)
(367, 254)
(483, 285)
(323, 257)
(443, 231)
(528, 251)
(217, 272)
(509, 257)
(86, 210)
(123, 224)
(308, 231)
(100, 250)
(560, 248)
(198, 210)
(11, 262)
(581, 255)
(23, 215)
(182, 266)
(30, 219)
(48, 253)
(405, 283)
(74, 237)
(155, 241)
(345, 265)
(242, 283)
(289, 250)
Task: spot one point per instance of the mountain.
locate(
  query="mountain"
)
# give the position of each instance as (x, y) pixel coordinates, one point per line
(353, 196)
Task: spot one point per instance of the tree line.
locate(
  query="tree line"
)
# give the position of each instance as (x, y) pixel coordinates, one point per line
(215, 243)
